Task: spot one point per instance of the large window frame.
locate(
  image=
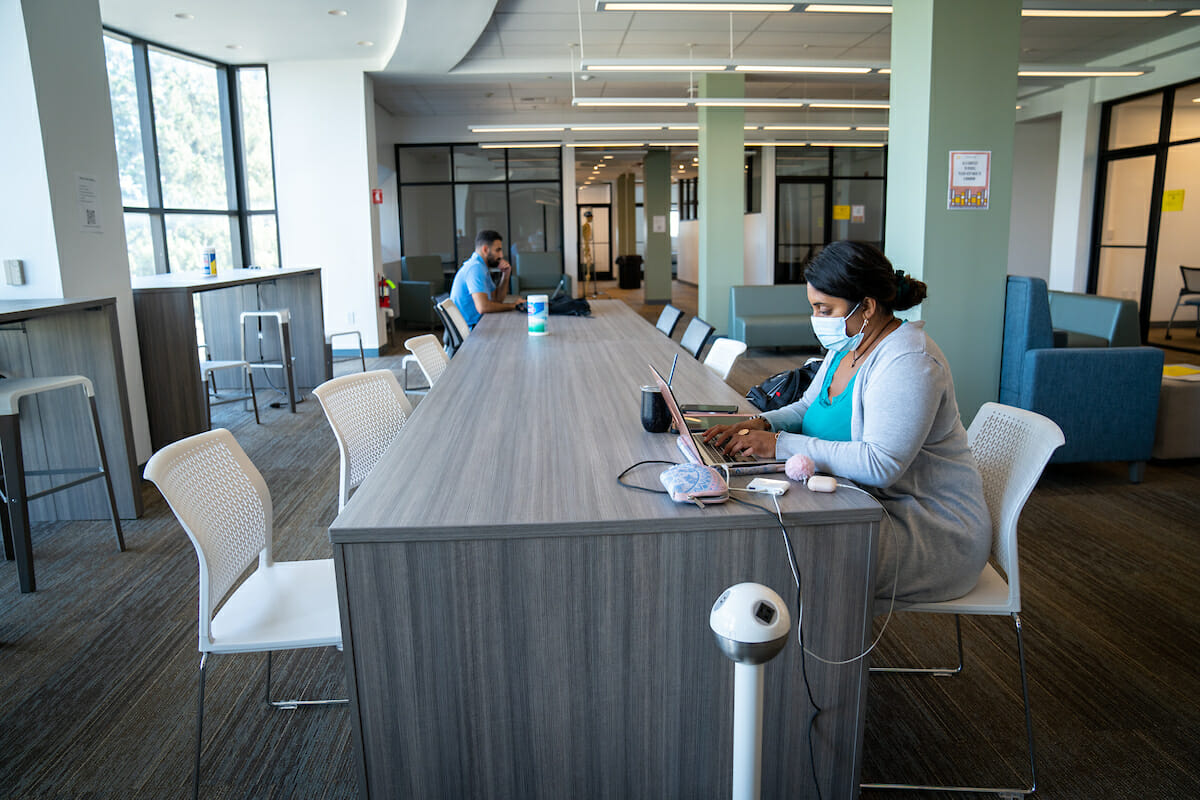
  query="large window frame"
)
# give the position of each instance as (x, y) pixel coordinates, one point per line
(237, 209)
(1158, 149)
(454, 183)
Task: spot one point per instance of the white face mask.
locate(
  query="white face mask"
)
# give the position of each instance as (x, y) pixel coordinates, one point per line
(831, 332)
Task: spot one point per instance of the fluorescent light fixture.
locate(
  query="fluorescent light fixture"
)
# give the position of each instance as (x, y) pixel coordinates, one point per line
(612, 5)
(634, 102)
(847, 144)
(837, 8)
(608, 156)
(885, 70)
(807, 128)
(605, 144)
(739, 102)
(683, 127)
(1196, 99)
(674, 66)
(830, 70)
(1193, 13)
(749, 127)
(516, 128)
(1081, 72)
(881, 104)
(878, 128)
(779, 144)
(513, 145)
(1093, 13)
(616, 127)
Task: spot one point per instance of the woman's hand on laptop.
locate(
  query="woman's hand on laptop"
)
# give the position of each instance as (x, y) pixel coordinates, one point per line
(721, 435)
(752, 443)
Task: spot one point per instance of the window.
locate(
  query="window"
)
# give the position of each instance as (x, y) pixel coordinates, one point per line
(448, 193)
(193, 144)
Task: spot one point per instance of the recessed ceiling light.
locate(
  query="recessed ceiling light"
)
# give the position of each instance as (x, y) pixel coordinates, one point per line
(337, 12)
(365, 43)
(184, 15)
(608, 156)
(233, 47)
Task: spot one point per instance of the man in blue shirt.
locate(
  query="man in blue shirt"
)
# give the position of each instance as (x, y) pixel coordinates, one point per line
(473, 290)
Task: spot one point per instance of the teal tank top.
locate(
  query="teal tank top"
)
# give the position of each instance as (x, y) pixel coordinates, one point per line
(830, 420)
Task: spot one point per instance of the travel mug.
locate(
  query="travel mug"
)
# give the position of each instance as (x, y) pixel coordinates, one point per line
(655, 417)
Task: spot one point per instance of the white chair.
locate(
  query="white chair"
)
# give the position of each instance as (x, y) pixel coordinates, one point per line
(223, 504)
(366, 410)
(330, 359)
(207, 367)
(1011, 446)
(431, 358)
(285, 361)
(723, 354)
(456, 317)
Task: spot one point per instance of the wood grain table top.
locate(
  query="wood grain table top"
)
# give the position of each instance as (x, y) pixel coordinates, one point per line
(197, 282)
(524, 436)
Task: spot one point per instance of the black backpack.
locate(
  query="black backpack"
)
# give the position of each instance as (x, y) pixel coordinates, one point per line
(783, 388)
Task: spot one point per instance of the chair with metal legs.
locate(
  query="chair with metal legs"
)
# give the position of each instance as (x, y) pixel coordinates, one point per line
(224, 506)
(1011, 446)
(283, 323)
(15, 493)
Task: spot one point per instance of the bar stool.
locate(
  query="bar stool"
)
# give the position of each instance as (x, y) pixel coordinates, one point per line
(17, 540)
(207, 368)
(330, 360)
(283, 320)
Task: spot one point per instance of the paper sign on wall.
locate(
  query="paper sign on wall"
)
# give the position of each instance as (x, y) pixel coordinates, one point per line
(858, 214)
(660, 223)
(1173, 200)
(89, 211)
(970, 179)
(841, 212)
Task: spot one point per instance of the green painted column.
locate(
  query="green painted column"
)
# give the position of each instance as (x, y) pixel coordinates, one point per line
(722, 198)
(954, 88)
(656, 204)
(619, 212)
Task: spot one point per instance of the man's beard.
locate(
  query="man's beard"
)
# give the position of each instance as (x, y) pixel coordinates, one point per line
(491, 263)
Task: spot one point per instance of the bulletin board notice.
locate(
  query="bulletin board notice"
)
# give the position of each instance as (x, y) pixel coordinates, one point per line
(970, 179)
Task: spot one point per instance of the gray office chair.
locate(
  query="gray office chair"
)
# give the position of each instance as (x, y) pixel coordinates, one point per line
(696, 336)
(1189, 295)
(668, 319)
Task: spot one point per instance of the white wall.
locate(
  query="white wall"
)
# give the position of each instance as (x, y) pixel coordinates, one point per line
(57, 123)
(385, 179)
(758, 269)
(1035, 167)
(324, 172)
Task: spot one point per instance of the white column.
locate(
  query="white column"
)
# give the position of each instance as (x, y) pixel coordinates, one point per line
(1075, 188)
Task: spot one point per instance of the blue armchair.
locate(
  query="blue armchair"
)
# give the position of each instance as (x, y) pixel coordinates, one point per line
(421, 280)
(1104, 399)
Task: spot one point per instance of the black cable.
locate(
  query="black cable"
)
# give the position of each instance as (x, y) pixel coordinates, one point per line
(632, 467)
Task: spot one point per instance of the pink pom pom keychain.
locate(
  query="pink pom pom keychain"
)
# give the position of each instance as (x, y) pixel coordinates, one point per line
(799, 467)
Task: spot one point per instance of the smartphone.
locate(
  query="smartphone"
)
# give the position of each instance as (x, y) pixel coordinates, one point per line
(707, 408)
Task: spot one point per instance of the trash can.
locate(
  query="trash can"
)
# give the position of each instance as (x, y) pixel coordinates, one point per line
(629, 271)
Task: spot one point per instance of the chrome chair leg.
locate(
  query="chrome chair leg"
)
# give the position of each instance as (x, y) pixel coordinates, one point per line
(199, 728)
(940, 672)
(1000, 792)
(292, 705)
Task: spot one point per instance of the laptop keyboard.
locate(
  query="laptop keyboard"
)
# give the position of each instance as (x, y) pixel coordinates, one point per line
(716, 456)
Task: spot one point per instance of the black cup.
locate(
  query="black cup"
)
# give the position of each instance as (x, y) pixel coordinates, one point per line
(655, 417)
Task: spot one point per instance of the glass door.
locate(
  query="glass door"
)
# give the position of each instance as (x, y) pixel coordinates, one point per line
(1125, 227)
(802, 223)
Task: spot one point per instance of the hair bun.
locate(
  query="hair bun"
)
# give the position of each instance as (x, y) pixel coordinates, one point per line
(909, 291)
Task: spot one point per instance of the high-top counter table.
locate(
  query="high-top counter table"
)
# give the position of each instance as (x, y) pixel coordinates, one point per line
(73, 336)
(167, 307)
(516, 624)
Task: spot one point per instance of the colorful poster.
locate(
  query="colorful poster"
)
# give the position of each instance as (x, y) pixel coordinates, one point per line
(970, 179)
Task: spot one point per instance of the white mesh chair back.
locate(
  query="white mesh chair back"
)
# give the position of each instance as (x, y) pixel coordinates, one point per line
(366, 410)
(430, 356)
(1011, 446)
(723, 354)
(223, 504)
(456, 317)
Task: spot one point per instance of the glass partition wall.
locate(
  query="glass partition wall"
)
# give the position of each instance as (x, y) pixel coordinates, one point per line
(194, 154)
(1144, 225)
(450, 192)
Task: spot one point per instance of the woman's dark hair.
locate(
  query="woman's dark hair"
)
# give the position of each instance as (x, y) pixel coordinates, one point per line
(854, 270)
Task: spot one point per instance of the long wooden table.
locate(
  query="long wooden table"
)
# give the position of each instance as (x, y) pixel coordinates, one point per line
(167, 308)
(516, 624)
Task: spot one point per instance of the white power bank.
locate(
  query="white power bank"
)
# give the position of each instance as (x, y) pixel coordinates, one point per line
(822, 483)
(767, 486)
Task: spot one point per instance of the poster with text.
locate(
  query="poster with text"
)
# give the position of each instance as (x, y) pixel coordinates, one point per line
(970, 179)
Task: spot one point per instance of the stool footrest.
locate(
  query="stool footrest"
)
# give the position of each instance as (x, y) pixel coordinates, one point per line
(37, 495)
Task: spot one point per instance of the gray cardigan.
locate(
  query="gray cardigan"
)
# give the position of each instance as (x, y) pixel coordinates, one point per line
(908, 449)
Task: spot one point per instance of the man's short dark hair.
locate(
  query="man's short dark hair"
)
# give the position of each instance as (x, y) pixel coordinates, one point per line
(485, 238)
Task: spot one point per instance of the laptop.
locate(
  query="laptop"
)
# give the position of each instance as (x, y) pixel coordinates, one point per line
(698, 451)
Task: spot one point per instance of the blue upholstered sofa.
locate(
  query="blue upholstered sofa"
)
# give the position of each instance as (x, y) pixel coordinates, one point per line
(536, 272)
(771, 316)
(1089, 320)
(1104, 399)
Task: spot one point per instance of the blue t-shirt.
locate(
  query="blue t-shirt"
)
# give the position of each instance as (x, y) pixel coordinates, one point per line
(471, 277)
(830, 419)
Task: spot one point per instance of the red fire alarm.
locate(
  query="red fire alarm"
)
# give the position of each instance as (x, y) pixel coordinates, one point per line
(377, 196)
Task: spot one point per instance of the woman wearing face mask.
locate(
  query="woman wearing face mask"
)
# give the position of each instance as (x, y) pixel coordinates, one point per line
(881, 412)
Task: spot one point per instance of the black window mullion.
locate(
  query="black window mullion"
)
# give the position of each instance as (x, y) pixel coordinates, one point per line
(141, 80)
(231, 143)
